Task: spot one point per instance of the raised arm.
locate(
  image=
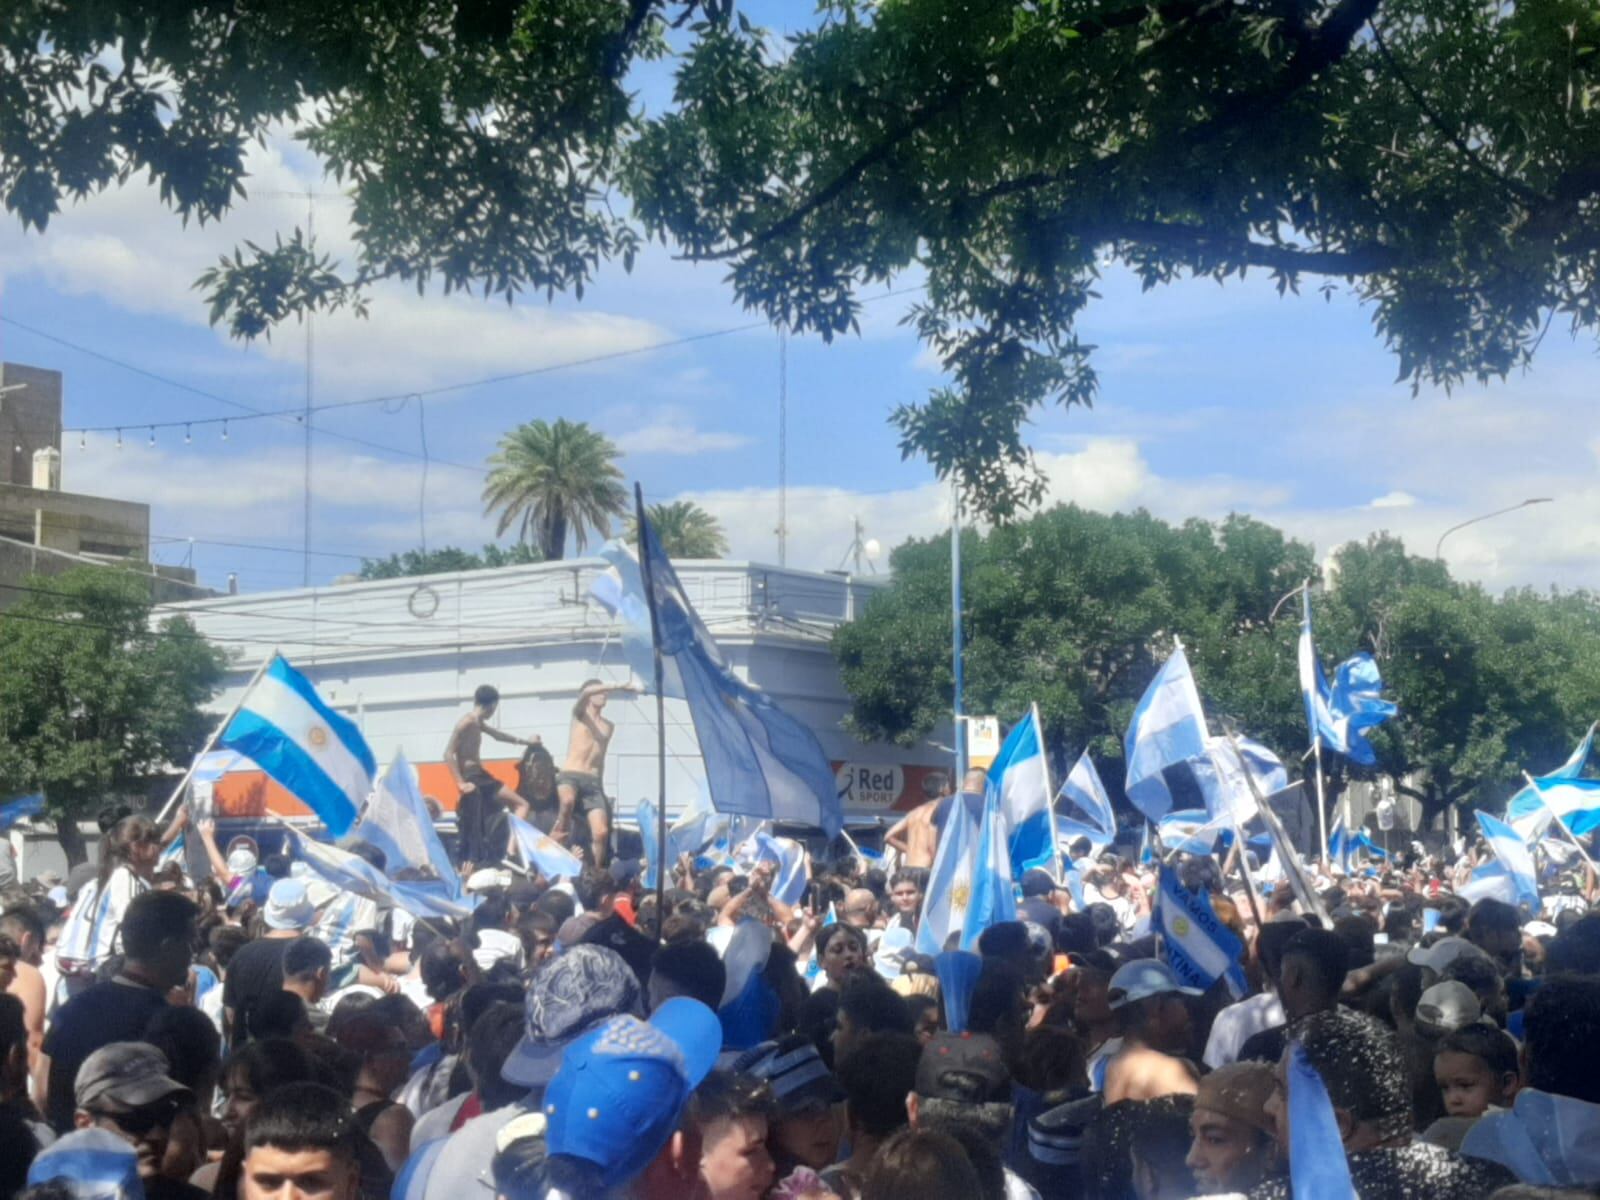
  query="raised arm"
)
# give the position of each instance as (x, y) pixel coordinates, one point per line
(500, 736)
(208, 839)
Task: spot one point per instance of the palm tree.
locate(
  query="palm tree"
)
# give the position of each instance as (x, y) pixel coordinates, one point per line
(552, 479)
(684, 529)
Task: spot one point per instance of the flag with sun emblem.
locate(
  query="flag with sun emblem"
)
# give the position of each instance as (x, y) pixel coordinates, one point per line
(1195, 943)
(315, 753)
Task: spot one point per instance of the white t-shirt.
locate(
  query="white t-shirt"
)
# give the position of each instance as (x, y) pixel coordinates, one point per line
(92, 933)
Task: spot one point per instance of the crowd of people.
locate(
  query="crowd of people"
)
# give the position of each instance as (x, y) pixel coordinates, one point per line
(257, 1033)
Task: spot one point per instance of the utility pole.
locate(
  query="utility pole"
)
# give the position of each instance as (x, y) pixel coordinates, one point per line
(783, 447)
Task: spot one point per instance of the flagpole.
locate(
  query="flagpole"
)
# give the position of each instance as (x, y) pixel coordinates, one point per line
(1539, 791)
(648, 573)
(955, 635)
(216, 733)
(1049, 793)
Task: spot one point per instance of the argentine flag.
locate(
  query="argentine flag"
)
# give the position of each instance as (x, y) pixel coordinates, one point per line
(1084, 791)
(542, 852)
(1340, 715)
(1168, 728)
(1198, 947)
(398, 823)
(1223, 783)
(352, 873)
(315, 753)
(1512, 854)
(1191, 830)
(1563, 791)
(949, 895)
(1018, 774)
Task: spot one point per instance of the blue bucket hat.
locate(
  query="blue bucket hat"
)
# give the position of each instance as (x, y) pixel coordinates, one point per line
(621, 1089)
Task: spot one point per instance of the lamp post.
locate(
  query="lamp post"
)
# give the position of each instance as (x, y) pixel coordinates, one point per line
(1499, 512)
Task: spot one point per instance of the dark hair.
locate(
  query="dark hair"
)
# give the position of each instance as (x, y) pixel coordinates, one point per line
(269, 1064)
(155, 918)
(440, 970)
(486, 694)
(558, 904)
(1453, 912)
(997, 996)
(1562, 1028)
(1493, 916)
(1052, 1059)
(491, 912)
(1118, 1132)
(725, 1096)
(1357, 933)
(1160, 1138)
(117, 843)
(304, 1116)
(279, 1014)
(1476, 972)
(1009, 939)
(1577, 948)
(381, 945)
(189, 1040)
(1406, 986)
(1494, 1046)
(13, 1026)
(369, 852)
(876, 1078)
(914, 1165)
(593, 886)
(872, 1006)
(1271, 942)
(917, 876)
(224, 941)
(493, 1037)
(1329, 957)
(828, 932)
(1362, 1065)
(24, 921)
(694, 969)
(305, 956)
(1074, 934)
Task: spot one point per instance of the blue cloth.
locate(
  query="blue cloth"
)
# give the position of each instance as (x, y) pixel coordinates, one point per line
(1318, 1169)
(314, 752)
(1198, 947)
(397, 821)
(1084, 790)
(13, 811)
(949, 891)
(352, 873)
(1341, 714)
(1529, 813)
(994, 897)
(789, 884)
(1512, 854)
(1018, 773)
(759, 760)
(958, 975)
(542, 852)
(1192, 831)
(1168, 728)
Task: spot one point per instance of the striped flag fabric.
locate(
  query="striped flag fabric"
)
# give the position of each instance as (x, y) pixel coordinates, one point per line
(1198, 947)
(1168, 728)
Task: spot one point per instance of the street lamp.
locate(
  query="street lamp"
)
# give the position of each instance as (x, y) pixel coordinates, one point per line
(1499, 512)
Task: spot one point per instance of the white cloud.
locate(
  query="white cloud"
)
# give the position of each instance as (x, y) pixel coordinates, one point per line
(666, 429)
(1393, 500)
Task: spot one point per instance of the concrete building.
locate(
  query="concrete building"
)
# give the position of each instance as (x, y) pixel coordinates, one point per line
(45, 530)
(402, 658)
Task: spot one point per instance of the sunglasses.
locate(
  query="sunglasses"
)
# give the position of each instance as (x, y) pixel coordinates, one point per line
(139, 1121)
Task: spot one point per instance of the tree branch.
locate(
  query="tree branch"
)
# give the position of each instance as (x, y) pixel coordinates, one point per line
(1356, 260)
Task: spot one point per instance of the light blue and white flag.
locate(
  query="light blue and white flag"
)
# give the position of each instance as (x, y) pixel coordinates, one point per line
(1339, 844)
(648, 817)
(352, 873)
(1087, 794)
(1168, 728)
(92, 1164)
(994, 898)
(695, 827)
(1529, 811)
(1341, 714)
(20, 809)
(1489, 881)
(1019, 775)
(1192, 830)
(759, 760)
(1223, 781)
(1512, 854)
(1318, 1168)
(948, 897)
(317, 754)
(1198, 947)
(789, 884)
(542, 852)
(620, 591)
(397, 822)
(174, 851)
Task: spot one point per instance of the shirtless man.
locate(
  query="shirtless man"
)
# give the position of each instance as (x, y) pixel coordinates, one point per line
(1154, 1018)
(479, 789)
(915, 837)
(579, 786)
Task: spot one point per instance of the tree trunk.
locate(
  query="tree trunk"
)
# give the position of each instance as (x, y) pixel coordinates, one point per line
(553, 538)
(71, 839)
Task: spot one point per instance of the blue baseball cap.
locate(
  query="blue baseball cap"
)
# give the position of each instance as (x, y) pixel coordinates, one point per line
(620, 1090)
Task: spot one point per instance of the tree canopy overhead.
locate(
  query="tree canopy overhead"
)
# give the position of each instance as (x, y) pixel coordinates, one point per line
(1442, 156)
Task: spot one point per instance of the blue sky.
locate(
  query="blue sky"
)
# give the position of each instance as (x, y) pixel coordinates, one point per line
(1214, 399)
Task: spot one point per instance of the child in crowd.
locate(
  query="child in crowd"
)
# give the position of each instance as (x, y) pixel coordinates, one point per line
(1476, 1068)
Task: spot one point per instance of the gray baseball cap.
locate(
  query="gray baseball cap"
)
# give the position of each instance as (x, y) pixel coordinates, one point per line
(567, 997)
(125, 1075)
(1442, 953)
(1446, 1007)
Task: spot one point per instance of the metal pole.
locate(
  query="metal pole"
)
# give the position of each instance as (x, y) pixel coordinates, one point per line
(311, 233)
(1538, 791)
(955, 633)
(1050, 793)
(648, 573)
(215, 734)
(1438, 547)
(1322, 802)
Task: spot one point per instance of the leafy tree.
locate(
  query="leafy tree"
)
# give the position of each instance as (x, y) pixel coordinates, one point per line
(1441, 156)
(1076, 611)
(446, 559)
(94, 700)
(551, 480)
(685, 529)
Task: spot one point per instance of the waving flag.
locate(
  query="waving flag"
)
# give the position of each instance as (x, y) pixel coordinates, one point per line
(1198, 947)
(21, 809)
(620, 591)
(1222, 781)
(1192, 830)
(950, 880)
(1512, 854)
(1019, 775)
(1339, 844)
(1168, 729)
(759, 760)
(542, 852)
(1084, 791)
(994, 899)
(1340, 715)
(352, 873)
(789, 884)
(1562, 791)
(958, 972)
(314, 752)
(1318, 1168)
(397, 821)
